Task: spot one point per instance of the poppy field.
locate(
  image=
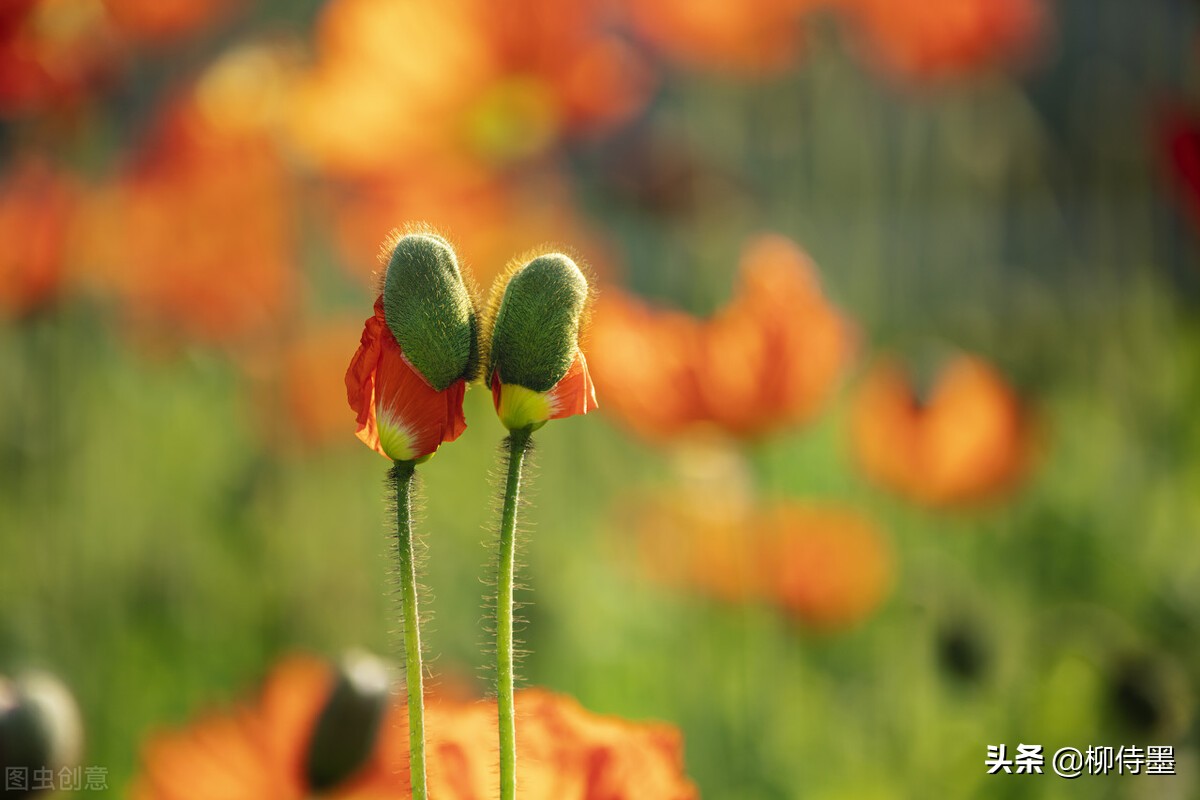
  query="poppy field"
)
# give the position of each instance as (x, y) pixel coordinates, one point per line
(786, 399)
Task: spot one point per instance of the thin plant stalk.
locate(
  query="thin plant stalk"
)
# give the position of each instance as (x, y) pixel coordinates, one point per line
(518, 445)
(402, 479)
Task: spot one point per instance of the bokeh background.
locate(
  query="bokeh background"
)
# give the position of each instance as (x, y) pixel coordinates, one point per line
(896, 347)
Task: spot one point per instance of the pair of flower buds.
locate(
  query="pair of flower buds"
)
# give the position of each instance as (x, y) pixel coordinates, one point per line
(427, 340)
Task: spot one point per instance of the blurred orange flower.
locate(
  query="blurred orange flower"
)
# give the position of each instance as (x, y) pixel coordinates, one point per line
(768, 359)
(260, 750)
(52, 52)
(926, 39)
(165, 20)
(399, 414)
(968, 440)
(754, 37)
(563, 751)
(196, 235)
(38, 205)
(490, 83)
(645, 362)
(827, 567)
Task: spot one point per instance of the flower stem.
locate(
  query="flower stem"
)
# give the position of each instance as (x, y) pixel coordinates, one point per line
(402, 478)
(518, 445)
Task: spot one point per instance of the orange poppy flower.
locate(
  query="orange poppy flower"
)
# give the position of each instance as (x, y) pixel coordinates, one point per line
(704, 541)
(37, 213)
(165, 20)
(400, 415)
(968, 441)
(925, 39)
(827, 567)
(755, 37)
(644, 359)
(768, 359)
(563, 751)
(494, 84)
(772, 356)
(260, 750)
(52, 53)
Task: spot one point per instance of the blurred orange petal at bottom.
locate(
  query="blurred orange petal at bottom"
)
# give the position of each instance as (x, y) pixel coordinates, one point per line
(259, 750)
(564, 752)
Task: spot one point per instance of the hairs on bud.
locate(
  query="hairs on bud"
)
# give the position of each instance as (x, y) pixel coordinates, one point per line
(544, 351)
(423, 309)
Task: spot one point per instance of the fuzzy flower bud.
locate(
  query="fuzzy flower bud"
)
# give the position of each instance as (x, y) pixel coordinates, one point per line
(535, 368)
(407, 380)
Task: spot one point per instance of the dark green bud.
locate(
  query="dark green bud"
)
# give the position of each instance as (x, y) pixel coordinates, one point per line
(347, 729)
(535, 333)
(429, 310)
(40, 727)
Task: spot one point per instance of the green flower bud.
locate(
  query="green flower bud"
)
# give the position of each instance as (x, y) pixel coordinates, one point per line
(535, 327)
(347, 729)
(429, 310)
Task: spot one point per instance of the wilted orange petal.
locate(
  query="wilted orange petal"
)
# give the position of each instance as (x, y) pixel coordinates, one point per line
(399, 414)
(574, 393)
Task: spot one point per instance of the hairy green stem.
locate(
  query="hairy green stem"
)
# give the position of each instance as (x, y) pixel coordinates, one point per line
(402, 477)
(518, 445)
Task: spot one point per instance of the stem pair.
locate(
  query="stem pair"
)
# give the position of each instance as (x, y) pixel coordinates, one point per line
(401, 476)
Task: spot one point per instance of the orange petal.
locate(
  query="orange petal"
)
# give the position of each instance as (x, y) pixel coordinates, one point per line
(574, 394)
(399, 415)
